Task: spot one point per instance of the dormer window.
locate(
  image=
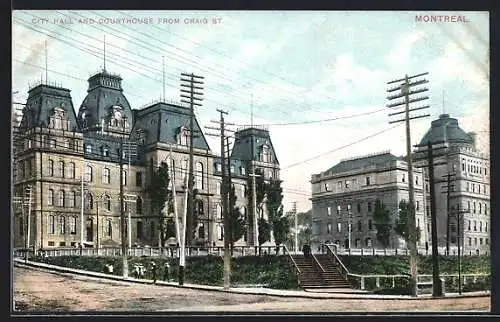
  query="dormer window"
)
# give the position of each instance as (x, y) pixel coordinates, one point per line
(58, 120)
(183, 135)
(105, 151)
(265, 155)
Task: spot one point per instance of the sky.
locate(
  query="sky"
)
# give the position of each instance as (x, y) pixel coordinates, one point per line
(316, 79)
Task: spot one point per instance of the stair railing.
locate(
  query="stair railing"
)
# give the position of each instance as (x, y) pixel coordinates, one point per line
(343, 270)
(317, 263)
(292, 260)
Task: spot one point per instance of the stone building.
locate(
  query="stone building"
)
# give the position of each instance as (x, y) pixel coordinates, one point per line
(469, 186)
(347, 193)
(72, 161)
(344, 196)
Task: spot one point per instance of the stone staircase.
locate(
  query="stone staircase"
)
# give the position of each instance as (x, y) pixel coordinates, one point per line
(313, 277)
(331, 277)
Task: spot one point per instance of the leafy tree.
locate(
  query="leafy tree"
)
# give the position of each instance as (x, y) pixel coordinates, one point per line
(236, 219)
(279, 224)
(264, 231)
(161, 199)
(382, 221)
(402, 227)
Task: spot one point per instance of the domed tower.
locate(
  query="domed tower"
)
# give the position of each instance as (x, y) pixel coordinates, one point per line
(465, 206)
(105, 108)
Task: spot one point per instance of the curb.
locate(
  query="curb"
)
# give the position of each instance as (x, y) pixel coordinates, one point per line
(307, 295)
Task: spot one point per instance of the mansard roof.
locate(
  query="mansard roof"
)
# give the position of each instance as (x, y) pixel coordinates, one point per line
(162, 122)
(42, 103)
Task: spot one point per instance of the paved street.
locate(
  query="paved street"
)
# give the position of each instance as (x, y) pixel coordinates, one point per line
(37, 290)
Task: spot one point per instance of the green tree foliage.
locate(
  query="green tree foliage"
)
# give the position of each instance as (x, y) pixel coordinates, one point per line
(236, 219)
(264, 231)
(402, 227)
(279, 224)
(382, 221)
(161, 197)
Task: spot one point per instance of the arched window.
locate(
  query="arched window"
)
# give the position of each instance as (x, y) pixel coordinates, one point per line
(52, 225)
(72, 225)
(199, 208)
(50, 197)
(199, 176)
(88, 173)
(124, 177)
(62, 225)
(61, 169)
(105, 175)
(89, 201)
(201, 231)
(51, 167)
(71, 170)
(138, 206)
(107, 202)
(61, 198)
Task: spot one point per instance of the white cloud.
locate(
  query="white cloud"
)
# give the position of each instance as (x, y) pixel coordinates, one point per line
(400, 54)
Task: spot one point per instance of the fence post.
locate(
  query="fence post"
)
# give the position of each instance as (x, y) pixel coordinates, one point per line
(361, 251)
(373, 249)
(377, 281)
(393, 282)
(362, 282)
(385, 251)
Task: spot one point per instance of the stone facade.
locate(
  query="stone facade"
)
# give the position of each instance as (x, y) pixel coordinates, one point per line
(346, 194)
(58, 152)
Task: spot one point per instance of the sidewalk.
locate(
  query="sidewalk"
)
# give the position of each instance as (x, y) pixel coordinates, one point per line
(308, 293)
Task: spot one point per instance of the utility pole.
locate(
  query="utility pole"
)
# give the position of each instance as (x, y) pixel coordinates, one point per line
(460, 240)
(82, 199)
(404, 88)
(436, 282)
(225, 192)
(182, 250)
(230, 206)
(28, 224)
(296, 245)
(255, 218)
(192, 94)
(122, 216)
(449, 187)
(174, 196)
(97, 230)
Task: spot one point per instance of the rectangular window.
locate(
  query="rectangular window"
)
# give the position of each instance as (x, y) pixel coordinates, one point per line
(354, 183)
(329, 210)
(347, 184)
(220, 233)
(326, 187)
(467, 187)
(403, 178)
(138, 179)
(359, 207)
(139, 229)
(338, 209)
(369, 206)
(51, 243)
(370, 224)
(367, 181)
(329, 228)
(339, 227)
(339, 185)
(349, 208)
(470, 241)
(62, 244)
(418, 205)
